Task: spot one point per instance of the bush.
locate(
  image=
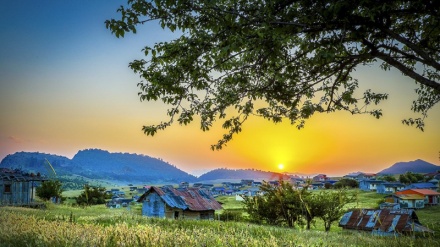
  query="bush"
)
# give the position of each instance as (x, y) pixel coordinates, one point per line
(231, 215)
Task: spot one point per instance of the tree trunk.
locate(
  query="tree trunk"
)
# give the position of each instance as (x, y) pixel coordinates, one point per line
(327, 226)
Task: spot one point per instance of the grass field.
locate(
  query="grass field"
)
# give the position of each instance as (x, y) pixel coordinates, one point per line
(62, 225)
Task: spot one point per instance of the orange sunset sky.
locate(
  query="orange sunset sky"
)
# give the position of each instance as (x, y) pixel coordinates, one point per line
(65, 86)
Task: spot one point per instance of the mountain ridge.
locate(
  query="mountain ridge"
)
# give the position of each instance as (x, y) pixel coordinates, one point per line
(139, 168)
(416, 166)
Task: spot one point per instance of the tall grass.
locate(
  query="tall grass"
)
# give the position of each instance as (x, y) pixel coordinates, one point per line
(67, 226)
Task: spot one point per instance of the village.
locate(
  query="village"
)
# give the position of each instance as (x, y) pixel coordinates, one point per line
(396, 214)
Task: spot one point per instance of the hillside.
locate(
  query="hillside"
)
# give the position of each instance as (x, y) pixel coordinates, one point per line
(416, 166)
(224, 173)
(100, 164)
(36, 162)
(129, 167)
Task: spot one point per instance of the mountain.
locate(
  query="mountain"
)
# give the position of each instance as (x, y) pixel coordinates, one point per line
(129, 167)
(416, 166)
(100, 164)
(36, 162)
(223, 173)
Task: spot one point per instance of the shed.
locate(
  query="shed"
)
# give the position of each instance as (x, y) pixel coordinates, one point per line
(188, 203)
(385, 222)
(17, 187)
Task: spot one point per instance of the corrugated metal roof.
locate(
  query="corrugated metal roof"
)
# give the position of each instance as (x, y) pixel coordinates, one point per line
(410, 197)
(194, 199)
(382, 220)
(426, 192)
(12, 175)
(393, 184)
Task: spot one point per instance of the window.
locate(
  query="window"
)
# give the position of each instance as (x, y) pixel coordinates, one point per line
(7, 188)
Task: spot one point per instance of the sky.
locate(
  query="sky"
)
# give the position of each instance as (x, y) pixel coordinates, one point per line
(65, 86)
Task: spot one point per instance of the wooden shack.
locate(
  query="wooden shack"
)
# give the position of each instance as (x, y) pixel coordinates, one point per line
(17, 187)
(188, 203)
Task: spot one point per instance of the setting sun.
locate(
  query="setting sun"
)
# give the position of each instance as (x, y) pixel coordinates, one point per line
(281, 166)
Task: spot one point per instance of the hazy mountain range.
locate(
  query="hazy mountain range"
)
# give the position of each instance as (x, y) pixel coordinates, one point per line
(121, 167)
(135, 168)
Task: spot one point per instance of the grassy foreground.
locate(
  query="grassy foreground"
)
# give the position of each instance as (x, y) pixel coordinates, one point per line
(98, 226)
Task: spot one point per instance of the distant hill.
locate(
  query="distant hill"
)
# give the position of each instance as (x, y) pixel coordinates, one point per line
(129, 167)
(36, 162)
(416, 166)
(224, 173)
(100, 164)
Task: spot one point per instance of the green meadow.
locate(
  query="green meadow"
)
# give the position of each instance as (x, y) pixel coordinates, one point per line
(64, 225)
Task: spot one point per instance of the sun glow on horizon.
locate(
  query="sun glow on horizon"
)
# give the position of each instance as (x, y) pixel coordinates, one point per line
(280, 166)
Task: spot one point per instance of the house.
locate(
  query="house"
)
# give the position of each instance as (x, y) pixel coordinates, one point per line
(331, 181)
(389, 205)
(257, 184)
(316, 185)
(407, 201)
(297, 181)
(389, 187)
(384, 222)
(189, 203)
(429, 186)
(431, 197)
(320, 178)
(254, 191)
(207, 186)
(247, 182)
(229, 192)
(143, 189)
(184, 185)
(236, 185)
(369, 185)
(218, 191)
(434, 175)
(197, 185)
(18, 188)
(274, 183)
(119, 202)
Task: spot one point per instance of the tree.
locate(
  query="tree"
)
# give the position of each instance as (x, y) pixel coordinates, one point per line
(388, 178)
(49, 189)
(410, 177)
(332, 206)
(404, 179)
(280, 59)
(279, 205)
(91, 196)
(312, 206)
(346, 183)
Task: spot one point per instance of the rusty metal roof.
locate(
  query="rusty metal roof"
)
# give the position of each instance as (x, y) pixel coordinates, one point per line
(18, 176)
(425, 192)
(194, 199)
(410, 196)
(382, 220)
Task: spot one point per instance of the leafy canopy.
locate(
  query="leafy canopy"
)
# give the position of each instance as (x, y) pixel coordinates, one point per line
(49, 189)
(280, 59)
